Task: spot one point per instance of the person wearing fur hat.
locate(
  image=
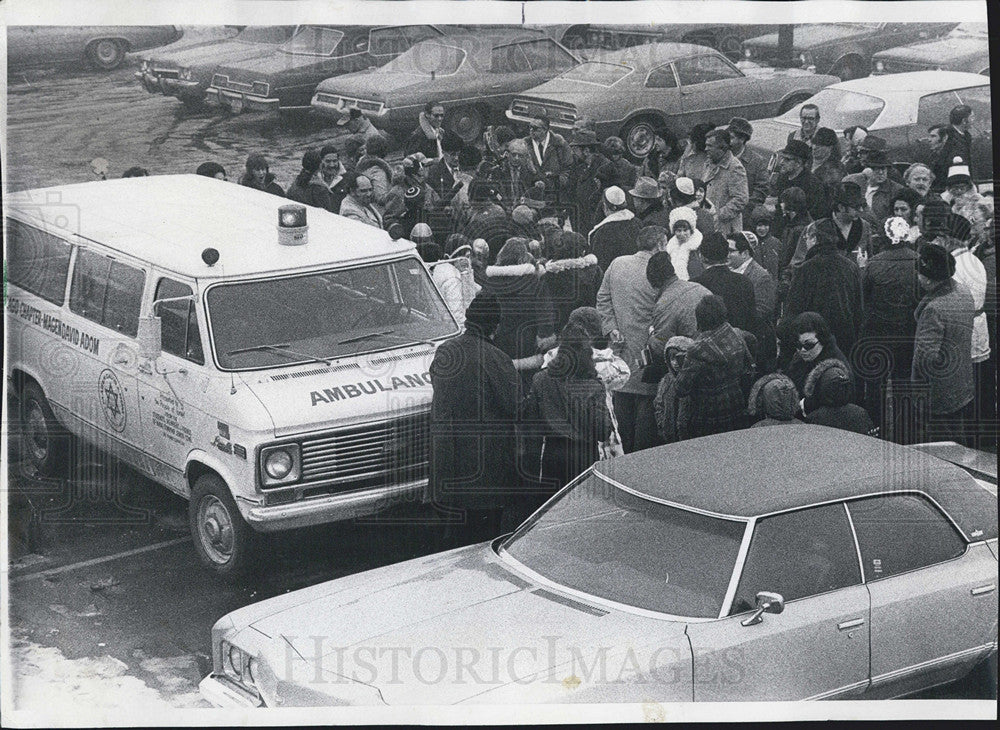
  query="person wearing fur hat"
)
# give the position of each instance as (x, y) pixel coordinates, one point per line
(308, 187)
(683, 245)
(828, 282)
(942, 349)
(616, 233)
(259, 176)
(827, 399)
(672, 412)
(648, 204)
(774, 400)
(526, 311)
(713, 371)
(826, 166)
(571, 277)
(473, 446)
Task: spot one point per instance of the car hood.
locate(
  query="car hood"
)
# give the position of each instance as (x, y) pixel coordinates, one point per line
(577, 92)
(230, 51)
(939, 51)
(315, 396)
(810, 36)
(377, 85)
(459, 627)
(272, 65)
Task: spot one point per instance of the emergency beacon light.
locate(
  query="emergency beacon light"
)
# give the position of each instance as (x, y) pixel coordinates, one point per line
(292, 226)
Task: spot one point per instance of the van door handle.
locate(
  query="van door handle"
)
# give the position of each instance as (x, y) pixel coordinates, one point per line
(119, 359)
(848, 625)
(982, 590)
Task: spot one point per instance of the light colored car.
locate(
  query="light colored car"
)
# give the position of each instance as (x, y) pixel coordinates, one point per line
(897, 107)
(967, 48)
(102, 46)
(784, 563)
(632, 92)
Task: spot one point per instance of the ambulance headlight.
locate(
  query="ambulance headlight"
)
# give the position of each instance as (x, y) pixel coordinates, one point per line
(279, 464)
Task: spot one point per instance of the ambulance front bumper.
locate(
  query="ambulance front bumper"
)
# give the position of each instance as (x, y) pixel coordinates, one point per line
(331, 508)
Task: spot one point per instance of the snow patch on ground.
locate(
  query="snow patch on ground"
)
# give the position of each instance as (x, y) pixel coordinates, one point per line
(45, 680)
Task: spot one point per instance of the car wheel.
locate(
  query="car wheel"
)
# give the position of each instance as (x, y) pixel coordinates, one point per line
(639, 135)
(224, 541)
(791, 102)
(106, 54)
(467, 123)
(44, 442)
(850, 69)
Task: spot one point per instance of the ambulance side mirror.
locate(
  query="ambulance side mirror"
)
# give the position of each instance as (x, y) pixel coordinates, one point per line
(150, 337)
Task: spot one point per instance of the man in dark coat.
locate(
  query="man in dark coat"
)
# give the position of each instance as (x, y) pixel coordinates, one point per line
(735, 289)
(942, 350)
(473, 414)
(583, 196)
(514, 177)
(616, 234)
(828, 282)
(959, 139)
(648, 204)
(793, 172)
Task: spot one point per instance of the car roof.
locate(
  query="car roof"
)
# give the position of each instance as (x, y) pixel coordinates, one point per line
(761, 471)
(912, 83)
(497, 36)
(168, 220)
(651, 54)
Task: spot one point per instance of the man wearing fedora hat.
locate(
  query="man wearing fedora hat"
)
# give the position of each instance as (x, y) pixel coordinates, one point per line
(792, 171)
(740, 132)
(583, 190)
(877, 188)
(942, 349)
(648, 204)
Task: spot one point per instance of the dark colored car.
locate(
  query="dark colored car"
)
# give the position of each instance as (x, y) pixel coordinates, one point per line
(842, 49)
(473, 75)
(187, 72)
(899, 108)
(967, 48)
(629, 93)
(286, 78)
(102, 46)
(724, 37)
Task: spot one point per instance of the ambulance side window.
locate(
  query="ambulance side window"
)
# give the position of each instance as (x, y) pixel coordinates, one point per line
(107, 292)
(179, 321)
(37, 261)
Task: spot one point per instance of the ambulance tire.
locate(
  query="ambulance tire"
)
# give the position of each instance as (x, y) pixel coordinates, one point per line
(225, 543)
(44, 443)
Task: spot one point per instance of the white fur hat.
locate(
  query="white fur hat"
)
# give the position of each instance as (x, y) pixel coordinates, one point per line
(683, 213)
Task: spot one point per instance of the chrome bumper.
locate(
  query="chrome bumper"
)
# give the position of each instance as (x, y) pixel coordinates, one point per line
(332, 508)
(222, 693)
(238, 102)
(167, 86)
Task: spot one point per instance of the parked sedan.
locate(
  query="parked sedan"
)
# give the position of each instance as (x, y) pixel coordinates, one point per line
(842, 49)
(473, 75)
(804, 563)
(725, 37)
(102, 46)
(898, 108)
(967, 48)
(631, 92)
(186, 73)
(286, 78)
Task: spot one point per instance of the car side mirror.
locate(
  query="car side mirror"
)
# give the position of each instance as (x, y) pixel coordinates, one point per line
(767, 602)
(150, 337)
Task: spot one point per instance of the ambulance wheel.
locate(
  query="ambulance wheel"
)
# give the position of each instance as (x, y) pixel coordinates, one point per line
(224, 541)
(43, 440)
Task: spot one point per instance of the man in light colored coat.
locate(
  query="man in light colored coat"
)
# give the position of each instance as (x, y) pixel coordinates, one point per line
(625, 302)
(726, 182)
(357, 204)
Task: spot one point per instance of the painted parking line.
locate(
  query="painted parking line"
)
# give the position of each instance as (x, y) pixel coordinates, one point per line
(98, 561)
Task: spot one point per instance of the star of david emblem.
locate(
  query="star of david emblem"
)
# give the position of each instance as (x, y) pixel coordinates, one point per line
(112, 399)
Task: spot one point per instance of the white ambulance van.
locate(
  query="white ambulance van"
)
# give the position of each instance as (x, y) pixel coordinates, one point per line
(272, 369)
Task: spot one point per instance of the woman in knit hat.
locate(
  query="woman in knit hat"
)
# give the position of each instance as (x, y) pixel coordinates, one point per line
(685, 240)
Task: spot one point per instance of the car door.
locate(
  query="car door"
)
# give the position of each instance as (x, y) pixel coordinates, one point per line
(713, 89)
(109, 293)
(663, 92)
(933, 597)
(818, 646)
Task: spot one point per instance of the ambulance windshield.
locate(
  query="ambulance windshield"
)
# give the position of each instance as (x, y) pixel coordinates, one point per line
(327, 315)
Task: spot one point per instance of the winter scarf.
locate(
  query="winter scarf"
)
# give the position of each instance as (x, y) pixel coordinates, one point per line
(680, 254)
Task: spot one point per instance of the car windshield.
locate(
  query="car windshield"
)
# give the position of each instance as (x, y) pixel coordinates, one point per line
(263, 34)
(325, 315)
(595, 72)
(425, 59)
(839, 109)
(603, 541)
(313, 41)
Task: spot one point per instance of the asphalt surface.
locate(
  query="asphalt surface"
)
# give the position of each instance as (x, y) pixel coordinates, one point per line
(107, 600)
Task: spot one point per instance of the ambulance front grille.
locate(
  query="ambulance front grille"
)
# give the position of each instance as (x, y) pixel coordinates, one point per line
(372, 454)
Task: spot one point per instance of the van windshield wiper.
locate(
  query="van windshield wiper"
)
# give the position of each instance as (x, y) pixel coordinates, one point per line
(366, 336)
(280, 349)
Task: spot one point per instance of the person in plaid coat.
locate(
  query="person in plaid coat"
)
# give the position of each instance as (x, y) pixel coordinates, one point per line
(712, 373)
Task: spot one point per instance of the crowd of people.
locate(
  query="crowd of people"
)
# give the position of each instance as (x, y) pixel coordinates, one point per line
(610, 306)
